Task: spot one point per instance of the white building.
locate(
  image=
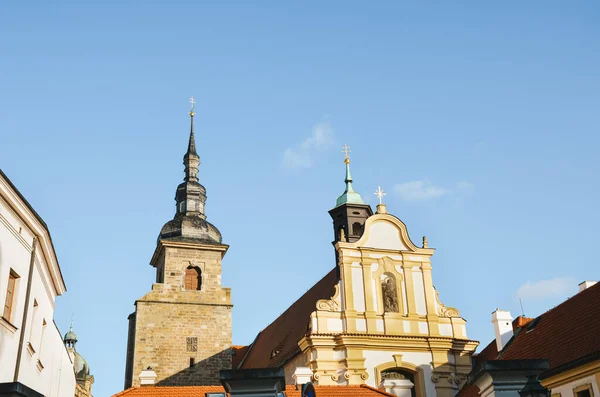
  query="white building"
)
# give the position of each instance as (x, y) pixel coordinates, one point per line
(33, 358)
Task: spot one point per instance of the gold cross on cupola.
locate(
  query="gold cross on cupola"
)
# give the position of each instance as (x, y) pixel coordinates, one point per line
(346, 150)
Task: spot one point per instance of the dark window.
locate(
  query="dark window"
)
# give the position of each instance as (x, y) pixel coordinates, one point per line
(192, 361)
(10, 295)
(584, 393)
(356, 229)
(193, 279)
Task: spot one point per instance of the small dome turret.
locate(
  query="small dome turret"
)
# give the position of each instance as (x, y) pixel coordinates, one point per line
(80, 366)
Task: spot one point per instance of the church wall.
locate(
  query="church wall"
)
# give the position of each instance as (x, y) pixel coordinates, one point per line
(161, 342)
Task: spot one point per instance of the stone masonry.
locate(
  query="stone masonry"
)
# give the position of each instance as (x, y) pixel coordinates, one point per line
(185, 336)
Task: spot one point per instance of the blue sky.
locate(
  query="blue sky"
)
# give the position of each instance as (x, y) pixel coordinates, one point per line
(481, 122)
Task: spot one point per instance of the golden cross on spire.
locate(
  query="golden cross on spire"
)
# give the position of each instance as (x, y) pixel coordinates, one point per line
(346, 150)
(193, 102)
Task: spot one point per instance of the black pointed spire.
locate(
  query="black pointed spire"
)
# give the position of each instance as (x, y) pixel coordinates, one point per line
(189, 221)
(192, 143)
(191, 160)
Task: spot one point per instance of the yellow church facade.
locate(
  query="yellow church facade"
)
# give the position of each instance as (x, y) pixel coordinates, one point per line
(385, 315)
(375, 319)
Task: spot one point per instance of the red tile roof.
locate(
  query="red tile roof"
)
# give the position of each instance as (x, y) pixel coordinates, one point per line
(278, 343)
(565, 334)
(290, 391)
(237, 355)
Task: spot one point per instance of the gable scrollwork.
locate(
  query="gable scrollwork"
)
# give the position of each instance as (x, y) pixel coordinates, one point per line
(445, 311)
(329, 305)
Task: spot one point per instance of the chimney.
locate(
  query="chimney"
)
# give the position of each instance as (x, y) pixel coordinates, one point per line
(147, 377)
(302, 376)
(585, 285)
(502, 321)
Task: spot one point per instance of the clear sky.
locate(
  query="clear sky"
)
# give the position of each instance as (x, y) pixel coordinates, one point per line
(481, 121)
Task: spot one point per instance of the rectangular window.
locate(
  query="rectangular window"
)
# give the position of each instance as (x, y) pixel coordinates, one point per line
(584, 390)
(584, 393)
(191, 344)
(10, 295)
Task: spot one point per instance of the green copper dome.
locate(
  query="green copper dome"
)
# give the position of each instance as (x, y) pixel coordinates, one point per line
(70, 336)
(349, 196)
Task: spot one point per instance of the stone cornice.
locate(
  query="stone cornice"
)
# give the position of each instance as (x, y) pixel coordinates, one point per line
(186, 244)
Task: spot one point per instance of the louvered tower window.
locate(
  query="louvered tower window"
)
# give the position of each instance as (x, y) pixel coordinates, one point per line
(193, 279)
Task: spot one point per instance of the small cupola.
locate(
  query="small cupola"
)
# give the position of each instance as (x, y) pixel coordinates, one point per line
(350, 212)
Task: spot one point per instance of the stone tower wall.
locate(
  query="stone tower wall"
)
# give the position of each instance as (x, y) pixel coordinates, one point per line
(174, 326)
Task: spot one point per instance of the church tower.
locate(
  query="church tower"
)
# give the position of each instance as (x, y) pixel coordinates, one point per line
(350, 212)
(182, 327)
(83, 377)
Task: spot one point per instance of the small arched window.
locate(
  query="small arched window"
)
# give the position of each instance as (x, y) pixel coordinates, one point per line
(193, 279)
(356, 229)
(399, 382)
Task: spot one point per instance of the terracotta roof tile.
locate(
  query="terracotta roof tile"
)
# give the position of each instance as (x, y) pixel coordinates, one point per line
(563, 334)
(290, 391)
(169, 391)
(278, 342)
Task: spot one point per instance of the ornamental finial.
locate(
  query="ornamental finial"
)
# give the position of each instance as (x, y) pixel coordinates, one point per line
(425, 244)
(346, 150)
(193, 102)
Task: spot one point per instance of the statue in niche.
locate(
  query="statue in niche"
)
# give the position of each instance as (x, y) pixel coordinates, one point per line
(390, 296)
(342, 235)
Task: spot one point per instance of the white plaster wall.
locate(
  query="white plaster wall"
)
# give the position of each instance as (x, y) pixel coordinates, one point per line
(14, 253)
(335, 325)
(384, 235)
(374, 358)
(57, 377)
(445, 329)
(358, 288)
(290, 367)
(567, 389)
(375, 295)
(361, 324)
(420, 305)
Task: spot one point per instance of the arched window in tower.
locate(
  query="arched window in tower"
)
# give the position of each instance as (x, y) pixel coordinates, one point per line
(193, 279)
(356, 229)
(389, 292)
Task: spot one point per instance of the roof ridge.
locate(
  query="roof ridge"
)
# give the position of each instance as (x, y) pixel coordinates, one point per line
(578, 294)
(125, 391)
